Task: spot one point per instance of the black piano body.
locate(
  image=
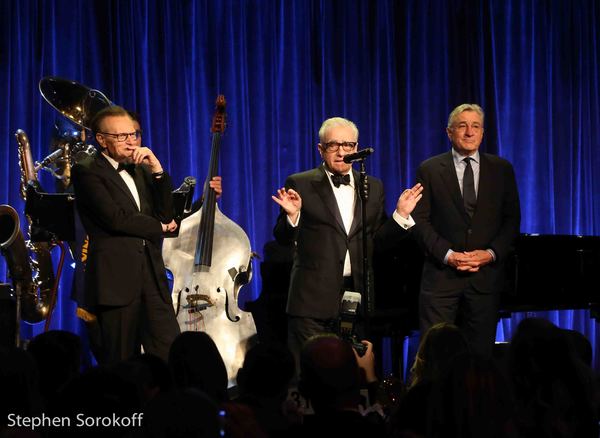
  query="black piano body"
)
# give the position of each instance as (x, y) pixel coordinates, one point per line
(545, 272)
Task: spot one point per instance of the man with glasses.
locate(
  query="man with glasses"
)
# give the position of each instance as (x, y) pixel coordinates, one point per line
(467, 221)
(124, 200)
(321, 215)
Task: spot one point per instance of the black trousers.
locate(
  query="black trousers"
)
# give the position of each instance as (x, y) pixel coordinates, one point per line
(301, 328)
(474, 312)
(148, 321)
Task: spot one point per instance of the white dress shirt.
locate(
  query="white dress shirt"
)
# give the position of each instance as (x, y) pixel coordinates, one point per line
(345, 196)
(128, 180)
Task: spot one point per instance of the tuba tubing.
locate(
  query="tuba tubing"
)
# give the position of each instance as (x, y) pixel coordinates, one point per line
(29, 263)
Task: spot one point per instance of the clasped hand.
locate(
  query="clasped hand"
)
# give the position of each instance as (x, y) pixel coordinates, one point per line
(469, 261)
(170, 227)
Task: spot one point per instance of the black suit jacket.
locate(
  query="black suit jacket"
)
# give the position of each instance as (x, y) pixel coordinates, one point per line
(443, 223)
(120, 234)
(321, 242)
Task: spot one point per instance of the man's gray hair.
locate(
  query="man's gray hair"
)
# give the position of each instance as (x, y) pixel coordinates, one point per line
(462, 108)
(333, 122)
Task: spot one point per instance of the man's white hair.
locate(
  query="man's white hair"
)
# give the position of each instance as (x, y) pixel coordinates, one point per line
(461, 109)
(333, 122)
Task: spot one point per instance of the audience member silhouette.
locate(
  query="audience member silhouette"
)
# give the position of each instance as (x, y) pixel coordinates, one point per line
(439, 347)
(57, 354)
(554, 390)
(19, 393)
(97, 392)
(580, 345)
(330, 379)
(263, 383)
(472, 399)
(195, 362)
(182, 413)
(149, 373)
(453, 394)
(240, 422)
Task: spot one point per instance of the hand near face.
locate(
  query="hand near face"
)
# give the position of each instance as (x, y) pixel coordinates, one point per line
(143, 155)
(290, 201)
(408, 200)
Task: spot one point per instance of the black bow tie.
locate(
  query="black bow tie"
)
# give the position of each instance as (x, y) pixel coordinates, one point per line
(129, 167)
(337, 179)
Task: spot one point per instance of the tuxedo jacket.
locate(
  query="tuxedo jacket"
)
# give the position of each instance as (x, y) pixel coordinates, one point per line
(442, 222)
(321, 242)
(120, 235)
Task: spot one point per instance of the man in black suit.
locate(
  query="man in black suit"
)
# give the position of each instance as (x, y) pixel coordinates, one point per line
(467, 223)
(321, 214)
(124, 200)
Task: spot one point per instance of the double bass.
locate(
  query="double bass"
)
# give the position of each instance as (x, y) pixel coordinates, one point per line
(210, 261)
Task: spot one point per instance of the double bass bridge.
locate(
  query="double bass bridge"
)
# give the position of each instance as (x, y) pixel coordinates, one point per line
(194, 302)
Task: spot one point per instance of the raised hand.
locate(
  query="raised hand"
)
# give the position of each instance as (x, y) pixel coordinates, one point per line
(408, 200)
(290, 201)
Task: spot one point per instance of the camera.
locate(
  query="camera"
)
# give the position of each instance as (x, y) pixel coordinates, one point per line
(348, 313)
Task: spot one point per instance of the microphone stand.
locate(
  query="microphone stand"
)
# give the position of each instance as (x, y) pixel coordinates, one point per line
(363, 193)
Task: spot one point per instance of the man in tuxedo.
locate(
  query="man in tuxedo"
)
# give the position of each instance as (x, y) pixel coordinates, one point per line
(321, 215)
(124, 200)
(467, 223)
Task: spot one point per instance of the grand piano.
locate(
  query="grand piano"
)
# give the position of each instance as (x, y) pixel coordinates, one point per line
(545, 272)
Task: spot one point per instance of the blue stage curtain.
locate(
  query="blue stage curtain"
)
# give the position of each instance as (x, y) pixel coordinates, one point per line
(395, 68)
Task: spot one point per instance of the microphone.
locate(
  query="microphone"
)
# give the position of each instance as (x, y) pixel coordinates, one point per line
(357, 156)
(49, 159)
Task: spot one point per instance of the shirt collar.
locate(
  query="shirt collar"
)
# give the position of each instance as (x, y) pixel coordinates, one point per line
(111, 160)
(457, 158)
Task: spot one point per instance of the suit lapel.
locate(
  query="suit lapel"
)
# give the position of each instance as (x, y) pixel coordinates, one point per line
(448, 173)
(486, 183)
(323, 188)
(111, 174)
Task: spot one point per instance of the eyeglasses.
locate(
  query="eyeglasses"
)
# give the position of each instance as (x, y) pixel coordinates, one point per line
(334, 146)
(123, 136)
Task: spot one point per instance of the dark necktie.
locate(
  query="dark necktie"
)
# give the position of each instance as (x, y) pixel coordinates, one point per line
(129, 167)
(337, 180)
(469, 197)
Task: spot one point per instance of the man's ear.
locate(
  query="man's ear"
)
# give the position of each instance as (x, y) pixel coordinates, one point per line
(320, 148)
(101, 141)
